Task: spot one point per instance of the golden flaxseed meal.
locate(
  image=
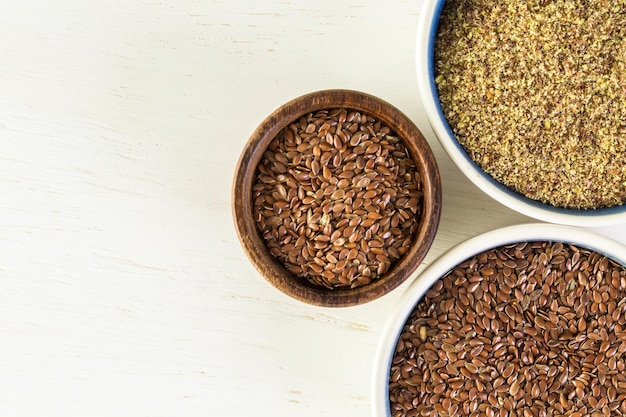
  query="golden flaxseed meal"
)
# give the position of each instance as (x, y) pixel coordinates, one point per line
(535, 91)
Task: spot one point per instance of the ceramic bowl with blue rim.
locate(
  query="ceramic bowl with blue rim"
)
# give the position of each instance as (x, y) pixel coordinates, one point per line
(425, 52)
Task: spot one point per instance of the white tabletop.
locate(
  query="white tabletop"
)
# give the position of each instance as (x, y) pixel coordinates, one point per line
(124, 290)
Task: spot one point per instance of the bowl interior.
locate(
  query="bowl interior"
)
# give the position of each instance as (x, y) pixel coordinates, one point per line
(250, 237)
(427, 33)
(455, 256)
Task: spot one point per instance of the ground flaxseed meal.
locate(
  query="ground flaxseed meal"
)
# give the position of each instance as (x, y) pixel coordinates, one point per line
(337, 198)
(525, 330)
(535, 91)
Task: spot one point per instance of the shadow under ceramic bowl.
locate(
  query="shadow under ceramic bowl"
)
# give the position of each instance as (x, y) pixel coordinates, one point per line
(255, 247)
(539, 232)
(425, 52)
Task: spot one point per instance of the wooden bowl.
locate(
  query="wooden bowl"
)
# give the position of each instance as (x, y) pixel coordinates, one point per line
(242, 202)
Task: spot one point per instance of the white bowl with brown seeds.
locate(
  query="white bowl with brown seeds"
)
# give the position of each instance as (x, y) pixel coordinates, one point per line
(529, 319)
(527, 98)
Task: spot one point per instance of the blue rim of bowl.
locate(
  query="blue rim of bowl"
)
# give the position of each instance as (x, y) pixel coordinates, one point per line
(590, 213)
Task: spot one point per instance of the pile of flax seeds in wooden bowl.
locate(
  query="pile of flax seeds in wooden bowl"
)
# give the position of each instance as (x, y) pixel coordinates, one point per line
(337, 198)
(536, 94)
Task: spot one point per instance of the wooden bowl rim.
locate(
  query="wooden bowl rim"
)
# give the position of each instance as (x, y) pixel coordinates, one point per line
(254, 247)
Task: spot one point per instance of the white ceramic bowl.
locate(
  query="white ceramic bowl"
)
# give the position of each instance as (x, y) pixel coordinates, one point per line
(427, 30)
(473, 246)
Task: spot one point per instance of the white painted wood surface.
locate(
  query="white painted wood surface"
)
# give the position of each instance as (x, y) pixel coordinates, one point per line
(123, 288)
